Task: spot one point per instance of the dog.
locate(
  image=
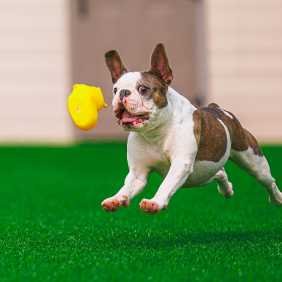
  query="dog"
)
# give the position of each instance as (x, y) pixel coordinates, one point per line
(186, 145)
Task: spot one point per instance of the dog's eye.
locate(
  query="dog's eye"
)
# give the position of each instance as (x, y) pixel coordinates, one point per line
(115, 90)
(143, 90)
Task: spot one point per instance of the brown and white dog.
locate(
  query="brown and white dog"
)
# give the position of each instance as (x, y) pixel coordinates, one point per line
(186, 145)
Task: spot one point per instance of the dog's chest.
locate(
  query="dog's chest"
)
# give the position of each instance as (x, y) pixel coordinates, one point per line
(157, 154)
(152, 155)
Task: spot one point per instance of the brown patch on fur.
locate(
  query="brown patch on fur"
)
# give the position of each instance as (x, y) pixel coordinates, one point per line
(212, 137)
(253, 143)
(157, 89)
(197, 118)
(114, 64)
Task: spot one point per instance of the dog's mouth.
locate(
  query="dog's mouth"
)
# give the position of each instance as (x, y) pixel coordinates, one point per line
(125, 118)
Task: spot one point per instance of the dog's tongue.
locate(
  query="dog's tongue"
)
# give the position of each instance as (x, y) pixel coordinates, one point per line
(127, 117)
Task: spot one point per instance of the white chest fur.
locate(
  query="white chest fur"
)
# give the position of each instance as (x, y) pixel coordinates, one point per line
(156, 149)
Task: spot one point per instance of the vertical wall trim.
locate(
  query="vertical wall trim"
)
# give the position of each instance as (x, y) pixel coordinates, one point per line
(201, 65)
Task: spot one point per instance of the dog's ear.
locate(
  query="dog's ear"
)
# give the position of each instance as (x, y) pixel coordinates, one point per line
(115, 65)
(159, 64)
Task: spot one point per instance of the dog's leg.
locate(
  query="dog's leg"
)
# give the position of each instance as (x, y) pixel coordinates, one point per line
(224, 187)
(257, 166)
(134, 184)
(177, 175)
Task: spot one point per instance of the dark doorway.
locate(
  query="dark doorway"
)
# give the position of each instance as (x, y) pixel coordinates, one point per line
(133, 28)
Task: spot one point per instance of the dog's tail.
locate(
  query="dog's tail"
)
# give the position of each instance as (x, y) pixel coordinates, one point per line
(213, 105)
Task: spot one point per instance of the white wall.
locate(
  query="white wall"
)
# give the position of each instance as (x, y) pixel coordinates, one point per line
(244, 66)
(244, 51)
(34, 70)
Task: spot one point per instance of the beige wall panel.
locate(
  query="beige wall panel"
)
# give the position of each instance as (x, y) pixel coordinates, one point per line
(239, 86)
(33, 131)
(236, 18)
(250, 106)
(224, 41)
(17, 107)
(244, 50)
(34, 70)
(32, 41)
(244, 3)
(32, 83)
(246, 63)
(264, 128)
(51, 62)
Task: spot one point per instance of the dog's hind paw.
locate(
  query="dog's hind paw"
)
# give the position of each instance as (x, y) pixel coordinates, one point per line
(227, 193)
(275, 196)
(150, 207)
(114, 203)
(276, 200)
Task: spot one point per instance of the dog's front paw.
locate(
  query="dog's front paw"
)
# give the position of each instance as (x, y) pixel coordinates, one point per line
(151, 207)
(114, 203)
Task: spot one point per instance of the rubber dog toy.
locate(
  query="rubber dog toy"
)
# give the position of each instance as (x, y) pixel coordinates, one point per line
(84, 103)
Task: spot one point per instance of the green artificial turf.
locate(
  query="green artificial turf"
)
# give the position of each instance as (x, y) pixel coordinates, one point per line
(53, 227)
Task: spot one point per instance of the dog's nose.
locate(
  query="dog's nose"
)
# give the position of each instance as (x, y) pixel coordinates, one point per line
(124, 93)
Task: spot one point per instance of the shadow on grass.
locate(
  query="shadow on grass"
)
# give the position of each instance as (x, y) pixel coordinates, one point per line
(210, 237)
(160, 241)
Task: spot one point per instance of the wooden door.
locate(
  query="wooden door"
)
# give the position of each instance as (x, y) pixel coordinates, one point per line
(133, 28)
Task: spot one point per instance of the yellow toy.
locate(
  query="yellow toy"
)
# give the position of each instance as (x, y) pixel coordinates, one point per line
(84, 103)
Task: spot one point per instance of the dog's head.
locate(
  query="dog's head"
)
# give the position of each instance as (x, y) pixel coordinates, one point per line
(138, 97)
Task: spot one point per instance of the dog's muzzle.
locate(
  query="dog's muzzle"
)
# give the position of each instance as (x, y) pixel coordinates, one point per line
(124, 93)
(126, 118)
